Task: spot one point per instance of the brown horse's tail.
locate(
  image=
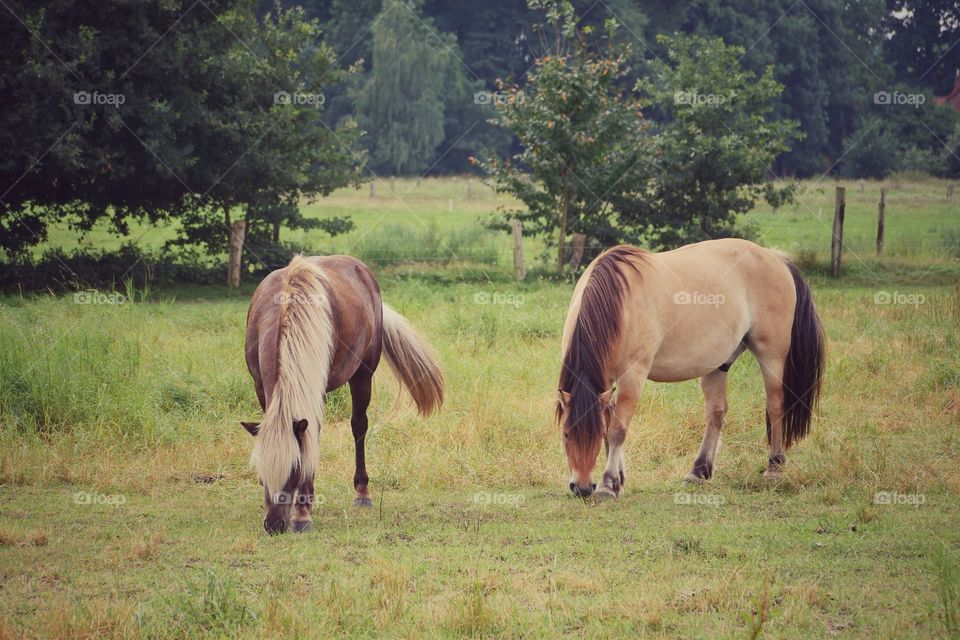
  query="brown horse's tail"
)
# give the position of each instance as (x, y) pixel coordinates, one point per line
(412, 361)
(803, 369)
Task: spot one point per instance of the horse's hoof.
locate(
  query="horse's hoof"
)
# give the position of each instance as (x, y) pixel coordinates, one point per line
(772, 475)
(302, 526)
(693, 478)
(603, 494)
(363, 502)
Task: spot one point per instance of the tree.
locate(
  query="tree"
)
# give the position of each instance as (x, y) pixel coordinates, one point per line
(190, 125)
(904, 130)
(402, 101)
(591, 163)
(582, 138)
(266, 128)
(825, 53)
(922, 43)
(714, 146)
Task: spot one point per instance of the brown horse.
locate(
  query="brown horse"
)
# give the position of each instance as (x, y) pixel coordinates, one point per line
(676, 316)
(312, 327)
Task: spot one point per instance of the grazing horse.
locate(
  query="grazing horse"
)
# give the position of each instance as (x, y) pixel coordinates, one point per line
(312, 327)
(679, 315)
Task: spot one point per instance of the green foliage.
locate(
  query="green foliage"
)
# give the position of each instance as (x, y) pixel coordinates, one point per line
(713, 150)
(191, 125)
(402, 101)
(591, 163)
(582, 136)
(921, 47)
(905, 131)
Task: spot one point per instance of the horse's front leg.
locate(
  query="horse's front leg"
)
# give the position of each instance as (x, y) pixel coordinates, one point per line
(302, 521)
(629, 388)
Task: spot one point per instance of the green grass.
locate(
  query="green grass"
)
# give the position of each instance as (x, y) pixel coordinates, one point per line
(127, 507)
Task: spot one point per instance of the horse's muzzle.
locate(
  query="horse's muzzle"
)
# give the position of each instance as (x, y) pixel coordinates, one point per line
(273, 527)
(582, 491)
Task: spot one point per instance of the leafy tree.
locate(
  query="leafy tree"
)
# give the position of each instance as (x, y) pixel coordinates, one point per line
(591, 163)
(825, 53)
(402, 101)
(268, 131)
(922, 43)
(713, 149)
(582, 137)
(905, 131)
(152, 111)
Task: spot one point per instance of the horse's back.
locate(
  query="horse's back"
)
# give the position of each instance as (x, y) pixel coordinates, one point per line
(353, 299)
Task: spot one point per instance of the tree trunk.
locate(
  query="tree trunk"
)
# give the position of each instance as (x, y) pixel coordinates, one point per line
(237, 232)
(276, 232)
(565, 213)
(579, 240)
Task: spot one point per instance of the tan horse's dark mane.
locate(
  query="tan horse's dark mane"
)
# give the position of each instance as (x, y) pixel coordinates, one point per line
(599, 320)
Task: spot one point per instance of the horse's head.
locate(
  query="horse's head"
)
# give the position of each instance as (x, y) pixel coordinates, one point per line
(584, 416)
(280, 474)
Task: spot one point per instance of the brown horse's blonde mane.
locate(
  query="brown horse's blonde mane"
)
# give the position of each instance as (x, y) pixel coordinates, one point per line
(305, 350)
(584, 371)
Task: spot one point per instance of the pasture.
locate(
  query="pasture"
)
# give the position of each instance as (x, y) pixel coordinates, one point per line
(128, 509)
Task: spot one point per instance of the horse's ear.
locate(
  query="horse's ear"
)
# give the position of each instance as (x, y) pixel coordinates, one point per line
(563, 397)
(605, 398)
(251, 427)
(299, 426)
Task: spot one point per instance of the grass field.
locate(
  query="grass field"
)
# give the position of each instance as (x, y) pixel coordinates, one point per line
(127, 508)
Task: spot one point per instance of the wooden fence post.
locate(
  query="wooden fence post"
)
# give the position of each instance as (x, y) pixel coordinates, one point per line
(373, 190)
(880, 211)
(836, 245)
(519, 267)
(469, 188)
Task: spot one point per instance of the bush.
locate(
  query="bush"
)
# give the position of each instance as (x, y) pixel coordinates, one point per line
(85, 268)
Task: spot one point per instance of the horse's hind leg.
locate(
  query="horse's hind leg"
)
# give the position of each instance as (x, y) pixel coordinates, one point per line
(714, 387)
(772, 361)
(360, 398)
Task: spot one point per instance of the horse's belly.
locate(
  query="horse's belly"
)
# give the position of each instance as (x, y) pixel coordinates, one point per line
(686, 355)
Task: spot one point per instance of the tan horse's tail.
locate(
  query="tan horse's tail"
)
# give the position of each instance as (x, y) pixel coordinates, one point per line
(803, 369)
(412, 361)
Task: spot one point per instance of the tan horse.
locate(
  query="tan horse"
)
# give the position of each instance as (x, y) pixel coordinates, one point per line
(312, 327)
(676, 316)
